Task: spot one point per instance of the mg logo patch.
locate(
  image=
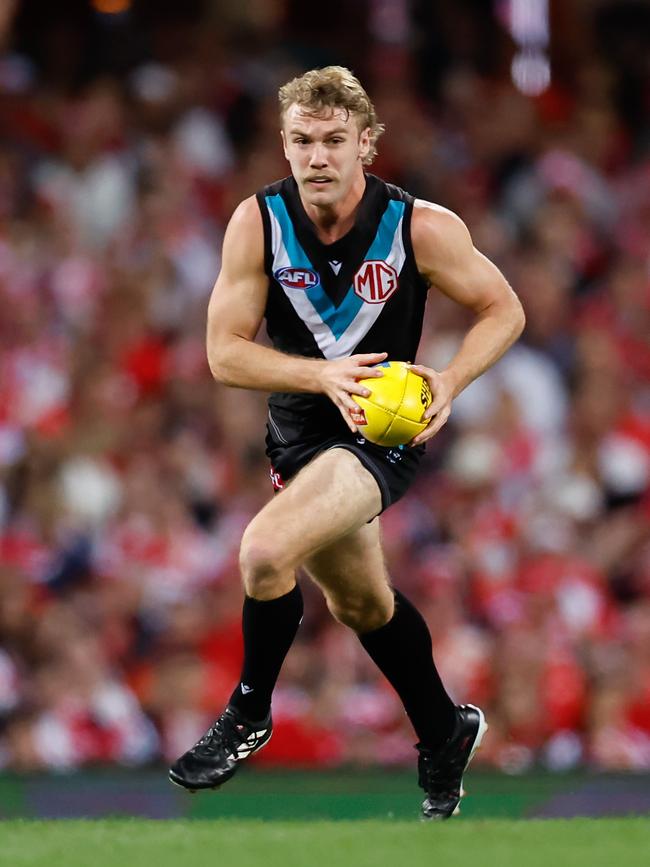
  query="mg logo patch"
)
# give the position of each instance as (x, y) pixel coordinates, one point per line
(296, 278)
(375, 281)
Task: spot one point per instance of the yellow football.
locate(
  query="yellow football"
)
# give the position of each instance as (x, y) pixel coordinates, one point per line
(392, 414)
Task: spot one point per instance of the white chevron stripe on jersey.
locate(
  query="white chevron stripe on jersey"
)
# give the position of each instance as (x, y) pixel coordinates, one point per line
(299, 300)
(367, 314)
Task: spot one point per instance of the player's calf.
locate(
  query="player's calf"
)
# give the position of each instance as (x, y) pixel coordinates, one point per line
(362, 613)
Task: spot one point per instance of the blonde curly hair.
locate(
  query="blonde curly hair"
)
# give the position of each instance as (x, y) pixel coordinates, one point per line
(332, 87)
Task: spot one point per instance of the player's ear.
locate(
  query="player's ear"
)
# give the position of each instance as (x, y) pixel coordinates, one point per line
(364, 143)
(284, 144)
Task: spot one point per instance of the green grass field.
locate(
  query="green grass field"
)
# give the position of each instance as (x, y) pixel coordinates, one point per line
(244, 843)
(338, 818)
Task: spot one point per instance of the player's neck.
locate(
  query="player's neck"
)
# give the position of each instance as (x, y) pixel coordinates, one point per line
(334, 221)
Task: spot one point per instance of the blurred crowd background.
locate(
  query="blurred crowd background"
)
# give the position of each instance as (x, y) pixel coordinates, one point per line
(130, 131)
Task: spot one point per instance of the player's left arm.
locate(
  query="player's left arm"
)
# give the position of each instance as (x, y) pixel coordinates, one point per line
(447, 258)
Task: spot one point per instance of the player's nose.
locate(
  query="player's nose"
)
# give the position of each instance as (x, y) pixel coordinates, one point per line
(318, 157)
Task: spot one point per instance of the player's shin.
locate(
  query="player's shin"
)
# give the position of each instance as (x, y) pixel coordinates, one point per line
(269, 628)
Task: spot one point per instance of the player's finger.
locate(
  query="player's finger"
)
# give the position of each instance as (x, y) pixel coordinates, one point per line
(345, 412)
(421, 437)
(427, 373)
(424, 435)
(440, 422)
(434, 407)
(369, 357)
(433, 428)
(423, 371)
(349, 403)
(431, 376)
(368, 372)
(357, 388)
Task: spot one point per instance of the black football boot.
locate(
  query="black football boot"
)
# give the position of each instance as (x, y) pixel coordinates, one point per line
(440, 772)
(215, 758)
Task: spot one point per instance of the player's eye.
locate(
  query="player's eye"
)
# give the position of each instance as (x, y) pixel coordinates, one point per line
(337, 140)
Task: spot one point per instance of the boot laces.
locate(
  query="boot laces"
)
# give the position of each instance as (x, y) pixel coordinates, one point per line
(225, 735)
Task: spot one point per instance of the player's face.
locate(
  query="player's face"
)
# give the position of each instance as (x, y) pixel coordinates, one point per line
(325, 153)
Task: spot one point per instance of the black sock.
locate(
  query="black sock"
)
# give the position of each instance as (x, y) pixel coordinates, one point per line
(402, 650)
(269, 629)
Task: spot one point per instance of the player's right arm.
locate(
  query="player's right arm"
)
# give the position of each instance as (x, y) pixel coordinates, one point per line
(235, 313)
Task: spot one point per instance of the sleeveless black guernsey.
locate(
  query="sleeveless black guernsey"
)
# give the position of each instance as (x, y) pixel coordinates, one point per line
(362, 293)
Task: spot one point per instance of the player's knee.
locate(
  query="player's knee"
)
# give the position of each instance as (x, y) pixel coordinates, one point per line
(362, 613)
(259, 568)
(263, 565)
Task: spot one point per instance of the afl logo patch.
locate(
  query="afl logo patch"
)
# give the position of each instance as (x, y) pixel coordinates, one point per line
(375, 281)
(296, 278)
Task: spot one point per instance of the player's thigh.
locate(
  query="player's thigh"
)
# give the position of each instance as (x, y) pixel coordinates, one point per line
(329, 498)
(351, 572)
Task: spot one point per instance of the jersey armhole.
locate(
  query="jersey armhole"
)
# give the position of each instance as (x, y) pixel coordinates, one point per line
(266, 224)
(408, 243)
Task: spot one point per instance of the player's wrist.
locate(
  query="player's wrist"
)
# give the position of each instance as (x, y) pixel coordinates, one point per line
(313, 370)
(454, 379)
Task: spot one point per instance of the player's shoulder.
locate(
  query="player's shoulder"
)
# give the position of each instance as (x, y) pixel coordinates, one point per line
(246, 214)
(243, 243)
(430, 216)
(249, 212)
(432, 225)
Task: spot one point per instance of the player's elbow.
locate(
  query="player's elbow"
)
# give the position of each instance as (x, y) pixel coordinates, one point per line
(220, 362)
(518, 318)
(510, 312)
(507, 311)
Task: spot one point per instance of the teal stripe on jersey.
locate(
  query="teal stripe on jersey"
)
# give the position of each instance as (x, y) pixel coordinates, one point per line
(338, 319)
(297, 256)
(382, 245)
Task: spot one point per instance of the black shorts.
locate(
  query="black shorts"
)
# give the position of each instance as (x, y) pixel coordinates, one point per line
(290, 448)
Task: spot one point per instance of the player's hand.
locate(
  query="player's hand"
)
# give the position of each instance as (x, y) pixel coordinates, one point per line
(340, 378)
(442, 388)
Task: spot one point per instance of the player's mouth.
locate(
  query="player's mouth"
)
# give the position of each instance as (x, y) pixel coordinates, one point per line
(319, 181)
